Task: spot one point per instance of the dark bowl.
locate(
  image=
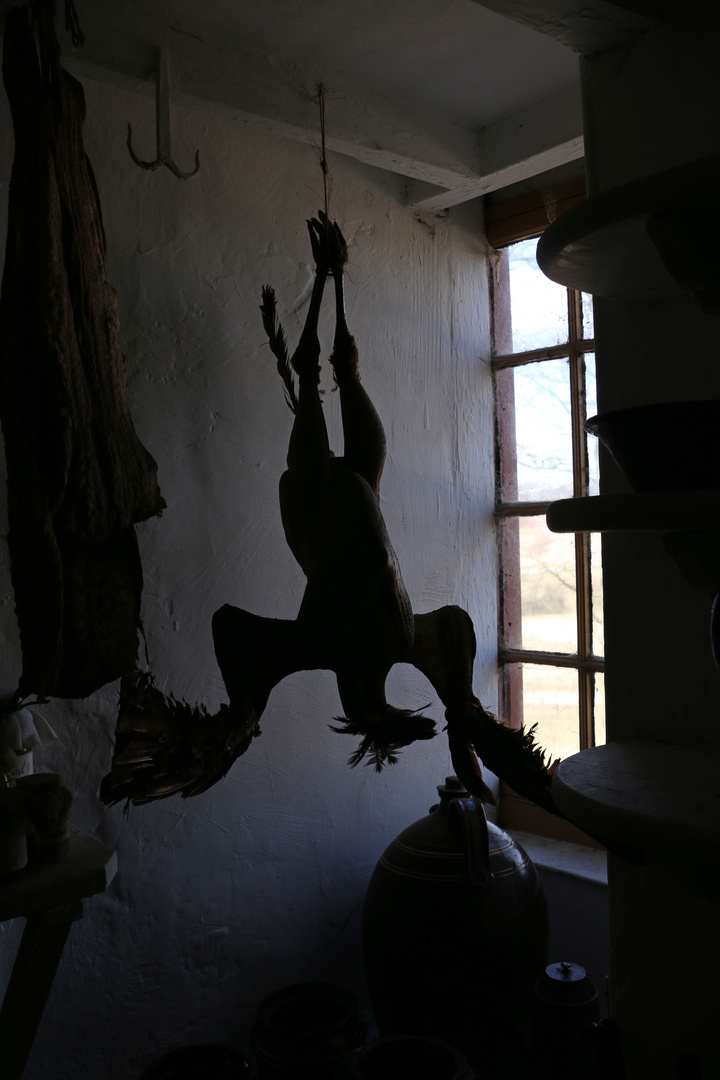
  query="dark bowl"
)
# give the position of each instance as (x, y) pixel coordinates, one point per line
(670, 447)
(204, 1062)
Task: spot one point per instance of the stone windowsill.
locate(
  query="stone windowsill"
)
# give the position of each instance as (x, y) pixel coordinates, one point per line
(563, 857)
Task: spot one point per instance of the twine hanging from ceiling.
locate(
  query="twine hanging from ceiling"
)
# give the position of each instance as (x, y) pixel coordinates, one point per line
(72, 24)
(44, 10)
(320, 97)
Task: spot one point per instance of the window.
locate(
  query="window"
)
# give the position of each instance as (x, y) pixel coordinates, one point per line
(550, 585)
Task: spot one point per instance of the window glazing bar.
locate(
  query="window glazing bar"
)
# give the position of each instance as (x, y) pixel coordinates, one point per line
(563, 660)
(550, 352)
(520, 509)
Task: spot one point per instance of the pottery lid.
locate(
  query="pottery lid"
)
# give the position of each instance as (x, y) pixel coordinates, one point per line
(452, 789)
(566, 983)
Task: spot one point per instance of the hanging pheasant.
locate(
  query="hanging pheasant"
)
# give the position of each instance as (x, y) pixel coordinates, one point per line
(355, 617)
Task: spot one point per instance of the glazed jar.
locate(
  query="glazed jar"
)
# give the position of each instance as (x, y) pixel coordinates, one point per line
(306, 1032)
(455, 933)
(47, 803)
(12, 725)
(566, 1012)
(22, 730)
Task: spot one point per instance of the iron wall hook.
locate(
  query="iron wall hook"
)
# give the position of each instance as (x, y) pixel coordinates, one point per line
(162, 125)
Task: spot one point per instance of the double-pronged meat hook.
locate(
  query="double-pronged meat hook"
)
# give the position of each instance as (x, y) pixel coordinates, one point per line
(162, 121)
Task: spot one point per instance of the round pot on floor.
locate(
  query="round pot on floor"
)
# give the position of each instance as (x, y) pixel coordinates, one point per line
(205, 1062)
(306, 1032)
(408, 1057)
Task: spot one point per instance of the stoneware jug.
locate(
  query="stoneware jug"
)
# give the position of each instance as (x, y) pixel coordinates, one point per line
(455, 933)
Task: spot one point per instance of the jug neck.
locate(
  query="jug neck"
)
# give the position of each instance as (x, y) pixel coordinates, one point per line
(451, 789)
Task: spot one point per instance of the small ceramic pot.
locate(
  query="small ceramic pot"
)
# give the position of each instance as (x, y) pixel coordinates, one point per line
(565, 1014)
(47, 802)
(200, 1063)
(408, 1057)
(306, 1031)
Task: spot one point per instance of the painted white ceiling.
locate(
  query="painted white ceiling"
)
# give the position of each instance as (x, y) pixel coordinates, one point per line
(449, 57)
(458, 98)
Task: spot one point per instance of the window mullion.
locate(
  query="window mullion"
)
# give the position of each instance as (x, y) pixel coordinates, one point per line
(582, 541)
(584, 624)
(576, 361)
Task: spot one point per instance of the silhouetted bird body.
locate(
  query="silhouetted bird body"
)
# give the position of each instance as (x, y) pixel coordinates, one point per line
(355, 617)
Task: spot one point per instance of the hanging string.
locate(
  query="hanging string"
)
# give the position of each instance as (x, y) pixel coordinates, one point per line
(43, 21)
(72, 24)
(324, 168)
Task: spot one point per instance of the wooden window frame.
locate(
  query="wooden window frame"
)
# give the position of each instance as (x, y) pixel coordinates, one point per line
(515, 811)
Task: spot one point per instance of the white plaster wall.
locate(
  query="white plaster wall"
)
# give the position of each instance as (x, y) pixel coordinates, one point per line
(650, 105)
(258, 883)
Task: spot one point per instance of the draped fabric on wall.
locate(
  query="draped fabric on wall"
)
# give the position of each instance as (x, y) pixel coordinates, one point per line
(78, 476)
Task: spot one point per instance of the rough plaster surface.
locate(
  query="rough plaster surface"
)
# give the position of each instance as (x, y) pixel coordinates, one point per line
(259, 883)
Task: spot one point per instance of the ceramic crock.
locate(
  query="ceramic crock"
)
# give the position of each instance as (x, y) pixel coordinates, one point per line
(200, 1063)
(408, 1057)
(455, 932)
(306, 1031)
(566, 1013)
(671, 447)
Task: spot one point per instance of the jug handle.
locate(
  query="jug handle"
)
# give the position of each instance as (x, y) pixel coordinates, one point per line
(473, 826)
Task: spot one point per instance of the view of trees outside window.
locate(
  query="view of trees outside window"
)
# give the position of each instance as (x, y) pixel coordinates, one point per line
(551, 635)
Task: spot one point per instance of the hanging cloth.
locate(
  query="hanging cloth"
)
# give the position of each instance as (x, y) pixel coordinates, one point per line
(78, 476)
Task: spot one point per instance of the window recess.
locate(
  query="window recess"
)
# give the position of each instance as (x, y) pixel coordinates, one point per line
(550, 632)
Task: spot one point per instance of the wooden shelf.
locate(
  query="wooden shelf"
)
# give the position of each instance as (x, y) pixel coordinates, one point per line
(649, 801)
(602, 246)
(88, 868)
(671, 511)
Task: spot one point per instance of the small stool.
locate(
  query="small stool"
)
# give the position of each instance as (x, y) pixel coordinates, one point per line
(49, 897)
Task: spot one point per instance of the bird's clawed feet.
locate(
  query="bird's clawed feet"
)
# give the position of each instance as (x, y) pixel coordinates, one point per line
(328, 244)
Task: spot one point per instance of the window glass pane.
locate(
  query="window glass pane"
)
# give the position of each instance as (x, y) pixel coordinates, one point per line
(590, 386)
(543, 432)
(588, 315)
(547, 587)
(538, 306)
(599, 709)
(593, 444)
(549, 699)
